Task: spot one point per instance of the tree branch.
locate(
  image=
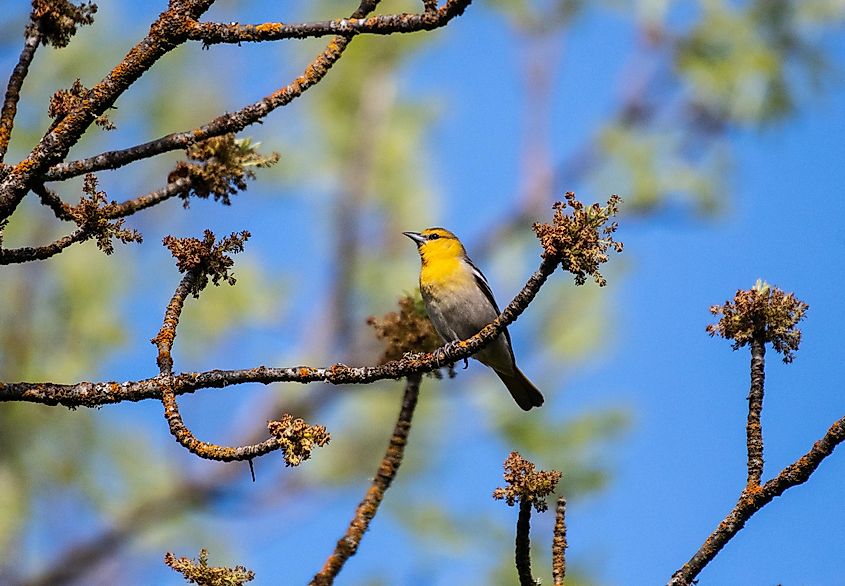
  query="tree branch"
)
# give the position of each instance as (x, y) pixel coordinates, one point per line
(559, 544)
(760, 315)
(211, 33)
(347, 545)
(232, 122)
(752, 501)
(27, 254)
(293, 437)
(522, 553)
(754, 427)
(13, 89)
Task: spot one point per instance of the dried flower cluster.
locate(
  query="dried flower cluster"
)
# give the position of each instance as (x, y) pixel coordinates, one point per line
(223, 166)
(525, 485)
(199, 572)
(297, 438)
(57, 20)
(580, 239)
(762, 312)
(206, 258)
(407, 331)
(92, 216)
(63, 101)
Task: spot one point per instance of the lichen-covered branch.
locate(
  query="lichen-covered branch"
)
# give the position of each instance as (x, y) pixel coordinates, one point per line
(348, 545)
(211, 33)
(752, 501)
(13, 89)
(202, 261)
(559, 544)
(754, 425)
(232, 122)
(93, 394)
(10, 256)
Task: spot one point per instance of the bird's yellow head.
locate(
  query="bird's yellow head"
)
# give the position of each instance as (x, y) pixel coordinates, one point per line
(436, 244)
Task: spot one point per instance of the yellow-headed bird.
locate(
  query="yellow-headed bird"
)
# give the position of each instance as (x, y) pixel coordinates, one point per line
(460, 303)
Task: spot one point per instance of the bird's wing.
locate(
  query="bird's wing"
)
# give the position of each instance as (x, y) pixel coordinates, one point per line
(482, 283)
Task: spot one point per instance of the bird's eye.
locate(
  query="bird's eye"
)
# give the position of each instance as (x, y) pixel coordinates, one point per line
(433, 236)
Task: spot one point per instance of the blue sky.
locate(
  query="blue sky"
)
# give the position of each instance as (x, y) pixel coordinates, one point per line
(681, 465)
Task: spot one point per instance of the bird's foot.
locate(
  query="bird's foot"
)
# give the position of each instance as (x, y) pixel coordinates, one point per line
(440, 353)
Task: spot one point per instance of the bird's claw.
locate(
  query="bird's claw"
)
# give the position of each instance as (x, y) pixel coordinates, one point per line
(440, 353)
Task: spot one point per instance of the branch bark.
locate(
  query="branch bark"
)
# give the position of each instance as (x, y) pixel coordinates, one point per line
(522, 550)
(754, 427)
(13, 89)
(752, 500)
(348, 545)
(211, 33)
(166, 33)
(559, 544)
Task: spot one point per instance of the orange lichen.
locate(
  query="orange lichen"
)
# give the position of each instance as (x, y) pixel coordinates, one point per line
(269, 27)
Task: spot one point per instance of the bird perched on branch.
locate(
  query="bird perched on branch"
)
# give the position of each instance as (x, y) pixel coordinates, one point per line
(460, 303)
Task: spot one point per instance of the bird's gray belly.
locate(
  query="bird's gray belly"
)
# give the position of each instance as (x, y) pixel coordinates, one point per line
(462, 319)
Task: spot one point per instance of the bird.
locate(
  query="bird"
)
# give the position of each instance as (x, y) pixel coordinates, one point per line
(459, 303)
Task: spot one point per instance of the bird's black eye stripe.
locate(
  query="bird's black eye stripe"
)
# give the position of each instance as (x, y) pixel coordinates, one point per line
(433, 236)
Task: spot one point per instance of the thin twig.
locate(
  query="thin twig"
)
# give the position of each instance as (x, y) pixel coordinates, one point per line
(559, 544)
(54, 202)
(523, 545)
(752, 501)
(10, 256)
(13, 89)
(93, 394)
(367, 509)
(754, 428)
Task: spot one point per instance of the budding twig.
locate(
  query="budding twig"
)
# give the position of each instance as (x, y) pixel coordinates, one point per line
(530, 488)
(755, 317)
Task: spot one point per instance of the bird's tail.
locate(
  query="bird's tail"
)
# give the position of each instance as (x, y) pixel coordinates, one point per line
(522, 390)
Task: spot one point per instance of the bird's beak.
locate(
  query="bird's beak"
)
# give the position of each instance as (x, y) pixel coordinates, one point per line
(415, 236)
